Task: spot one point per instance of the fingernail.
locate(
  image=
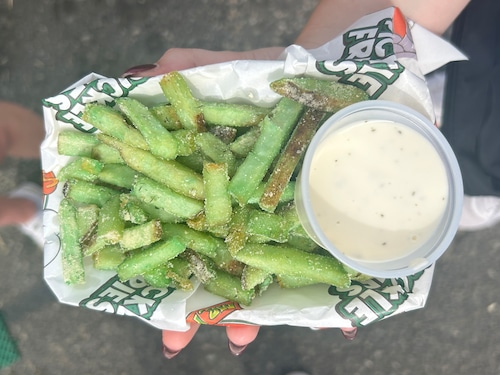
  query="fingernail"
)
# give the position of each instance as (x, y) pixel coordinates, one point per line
(138, 69)
(169, 354)
(236, 349)
(349, 333)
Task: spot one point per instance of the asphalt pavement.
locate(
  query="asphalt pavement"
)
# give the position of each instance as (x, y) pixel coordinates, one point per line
(45, 46)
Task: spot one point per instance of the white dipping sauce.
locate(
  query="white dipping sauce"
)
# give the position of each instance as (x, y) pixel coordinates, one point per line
(378, 189)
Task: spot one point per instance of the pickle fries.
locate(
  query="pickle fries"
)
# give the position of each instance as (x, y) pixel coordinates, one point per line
(196, 188)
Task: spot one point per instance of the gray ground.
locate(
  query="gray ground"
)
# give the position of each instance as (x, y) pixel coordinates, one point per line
(46, 45)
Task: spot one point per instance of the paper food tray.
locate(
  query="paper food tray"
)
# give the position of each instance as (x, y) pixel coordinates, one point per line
(377, 53)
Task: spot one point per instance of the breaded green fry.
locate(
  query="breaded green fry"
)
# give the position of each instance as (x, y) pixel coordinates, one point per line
(232, 115)
(242, 145)
(320, 94)
(132, 211)
(161, 142)
(108, 258)
(218, 207)
(167, 116)
(285, 260)
(155, 212)
(194, 161)
(253, 277)
(201, 266)
(152, 192)
(264, 226)
(225, 133)
(287, 194)
(199, 223)
(289, 159)
(141, 235)
(141, 261)
(202, 242)
(87, 192)
(119, 175)
(187, 107)
(75, 143)
(86, 218)
(157, 277)
(179, 272)
(111, 122)
(82, 168)
(72, 259)
(170, 173)
(304, 243)
(185, 141)
(216, 150)
(225, 261)
(229, 286)
(292, 282)
(106, 154)
(238, 233)
(215, 113)
(110, 226)
(275, 129)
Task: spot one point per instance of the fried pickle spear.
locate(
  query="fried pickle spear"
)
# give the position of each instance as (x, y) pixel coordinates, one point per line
(323, 95)
(275, 129)
(110, 226)
(233, 115)
(160, 141)
(111, 122)
(218, 208)
(72, 143)
(168, 172)
(146, 259)
(187, 107)
(87, 192)
(229, 286)
(72, 258)
(289, 159)
(152, 192)
(82, 168)
(286, 260)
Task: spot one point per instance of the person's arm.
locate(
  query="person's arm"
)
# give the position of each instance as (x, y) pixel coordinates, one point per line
(331, 17)
(436, 16)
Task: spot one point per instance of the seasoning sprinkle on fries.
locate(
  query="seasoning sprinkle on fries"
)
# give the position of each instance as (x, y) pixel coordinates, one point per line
(196, 188)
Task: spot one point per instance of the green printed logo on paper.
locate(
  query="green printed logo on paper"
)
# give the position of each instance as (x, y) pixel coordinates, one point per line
(370, 57)
(133, 297)
(69, 104)
(373, 300)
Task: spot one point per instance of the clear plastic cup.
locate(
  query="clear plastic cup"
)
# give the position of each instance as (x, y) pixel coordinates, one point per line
(438, 238)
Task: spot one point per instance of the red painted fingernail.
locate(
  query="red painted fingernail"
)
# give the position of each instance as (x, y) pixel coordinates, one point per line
(236, 349)
(169, 354)
(135, 70)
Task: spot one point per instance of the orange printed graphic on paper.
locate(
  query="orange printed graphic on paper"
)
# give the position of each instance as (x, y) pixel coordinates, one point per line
(49, 182)
(213, 314)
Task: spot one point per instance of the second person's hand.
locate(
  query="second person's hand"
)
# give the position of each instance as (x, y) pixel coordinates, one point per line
(186, 58)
